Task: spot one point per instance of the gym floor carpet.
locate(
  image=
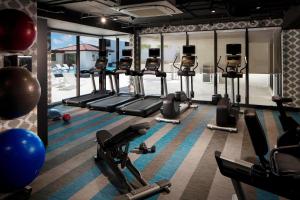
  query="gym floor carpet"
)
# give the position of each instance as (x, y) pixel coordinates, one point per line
(184, 154)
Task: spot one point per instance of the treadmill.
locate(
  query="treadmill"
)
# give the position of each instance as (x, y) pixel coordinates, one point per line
(109, 104)
(147, 105)
(99, 68)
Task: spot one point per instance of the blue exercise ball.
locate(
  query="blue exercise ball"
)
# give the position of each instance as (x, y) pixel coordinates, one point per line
(54, 114)
(22, 155)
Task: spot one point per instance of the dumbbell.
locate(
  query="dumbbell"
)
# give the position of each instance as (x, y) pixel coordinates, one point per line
(144, 149)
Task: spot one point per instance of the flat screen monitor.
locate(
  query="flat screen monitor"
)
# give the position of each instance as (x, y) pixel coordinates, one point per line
(154, 52)
(233, 49)
(127, 52)
(102, 54)
(189, 49)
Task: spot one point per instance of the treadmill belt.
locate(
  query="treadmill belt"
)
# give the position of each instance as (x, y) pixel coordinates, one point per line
(143, 107)
(142, 104)
(82, 100)
(109, 104)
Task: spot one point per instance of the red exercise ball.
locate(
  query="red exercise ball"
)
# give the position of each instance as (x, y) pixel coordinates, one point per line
(17, 31)
(66, 117)
(19, 92)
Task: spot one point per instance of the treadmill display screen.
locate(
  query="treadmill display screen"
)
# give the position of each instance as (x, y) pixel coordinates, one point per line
(154, 52)
(127, 52)
(189, 50)
(233, 49)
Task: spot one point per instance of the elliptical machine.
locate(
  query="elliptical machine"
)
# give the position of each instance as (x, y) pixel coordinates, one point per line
(176, 103)
(227, 111)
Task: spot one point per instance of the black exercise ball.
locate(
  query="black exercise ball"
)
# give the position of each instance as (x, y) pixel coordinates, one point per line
(19, 92)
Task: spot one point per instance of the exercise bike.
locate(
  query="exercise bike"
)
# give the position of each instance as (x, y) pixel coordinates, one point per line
(228, 110)
(280, 174)
(176, 103)
(289, 125)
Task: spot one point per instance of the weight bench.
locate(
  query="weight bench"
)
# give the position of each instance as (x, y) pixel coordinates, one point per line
(113, 149)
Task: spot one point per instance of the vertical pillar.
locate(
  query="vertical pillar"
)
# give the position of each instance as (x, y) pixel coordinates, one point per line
(137, 51)
(102, 77)
(42, 75)
(117, 77)
(162, 82)
(215, 62)
(247, 66)
(77, 65)
(187, 38)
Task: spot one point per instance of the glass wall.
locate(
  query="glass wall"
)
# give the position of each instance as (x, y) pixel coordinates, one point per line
(204, 79)
(264, 65)
(224, 38)
(173, 43)
(89, 53)
(63, 59)
(151, 83)
(63, 64)
(126, 84)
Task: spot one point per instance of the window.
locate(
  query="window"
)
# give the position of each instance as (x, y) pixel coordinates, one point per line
(224, 38)
(152, 84)
(126, 82)
(63, 59)
(173, 50)
(89, 51)
(204, 79)
(53, 56)
(264, 65)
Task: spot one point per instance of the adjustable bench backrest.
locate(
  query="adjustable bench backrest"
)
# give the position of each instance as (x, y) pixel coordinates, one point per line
(257, 134)
(120, 135)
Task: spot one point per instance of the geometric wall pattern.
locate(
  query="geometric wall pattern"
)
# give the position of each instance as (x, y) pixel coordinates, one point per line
(49, 71)
(28, 121)
(291, 65)
(215, 26)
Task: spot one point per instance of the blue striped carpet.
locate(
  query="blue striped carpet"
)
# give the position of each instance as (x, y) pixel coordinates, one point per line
(184, 155)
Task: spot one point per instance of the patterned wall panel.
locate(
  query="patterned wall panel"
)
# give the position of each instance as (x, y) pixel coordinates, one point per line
(216, 26)
(291, 65)
(29, 7)
(49, 96)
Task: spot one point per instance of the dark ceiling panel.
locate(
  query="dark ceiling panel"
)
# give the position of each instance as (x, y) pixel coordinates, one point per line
(198, 11)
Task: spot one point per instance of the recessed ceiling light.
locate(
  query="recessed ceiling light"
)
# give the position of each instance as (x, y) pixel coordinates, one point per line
(115, 19)
(258, 7)
(103, 20)
(213, 11)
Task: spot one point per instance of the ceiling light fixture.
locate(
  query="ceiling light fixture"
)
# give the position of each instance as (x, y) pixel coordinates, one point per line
(258, 7)
(103, 20)
(213, 11)
(115, 19)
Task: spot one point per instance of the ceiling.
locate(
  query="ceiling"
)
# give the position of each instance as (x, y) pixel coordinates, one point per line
(79, 28)
(193, 11)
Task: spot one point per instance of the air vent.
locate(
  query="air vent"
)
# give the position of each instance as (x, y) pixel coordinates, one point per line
(152, 9)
